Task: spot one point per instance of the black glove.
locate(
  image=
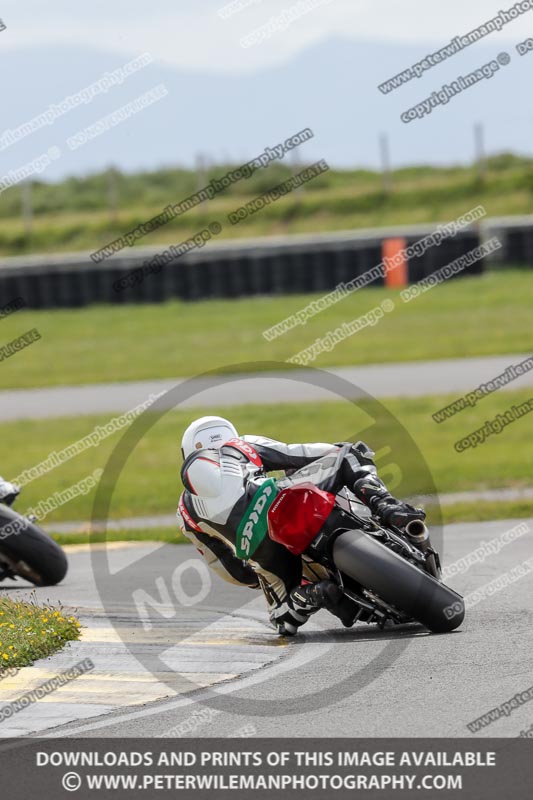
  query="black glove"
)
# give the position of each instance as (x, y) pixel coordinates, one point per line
(373, 492)
(8, 492)
(394, 512)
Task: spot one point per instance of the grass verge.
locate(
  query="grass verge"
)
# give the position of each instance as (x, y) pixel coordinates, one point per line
(74, 213)
(168, 535)
(477, 316)
(485, 512)
(149, 483)
(29, 632)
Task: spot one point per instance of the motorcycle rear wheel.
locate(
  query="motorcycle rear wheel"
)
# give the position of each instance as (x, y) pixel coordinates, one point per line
(398, 582)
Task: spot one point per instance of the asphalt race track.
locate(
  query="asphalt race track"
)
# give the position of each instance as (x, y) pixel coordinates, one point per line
(409, 379)
(360, 682)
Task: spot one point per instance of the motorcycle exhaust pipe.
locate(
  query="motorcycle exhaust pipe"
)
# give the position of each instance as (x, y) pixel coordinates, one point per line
(418, 533)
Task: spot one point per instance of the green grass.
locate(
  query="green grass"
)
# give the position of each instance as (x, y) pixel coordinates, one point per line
(89, 231)
(74, 214)
(29, 632)
(485, 512)
(475, 316)
(149, 483)
(168, 535)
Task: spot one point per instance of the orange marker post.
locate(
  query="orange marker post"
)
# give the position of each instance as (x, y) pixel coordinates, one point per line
(396, 264)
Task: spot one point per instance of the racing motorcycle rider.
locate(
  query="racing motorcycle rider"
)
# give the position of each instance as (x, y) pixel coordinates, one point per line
(8, 492)
(222, 474)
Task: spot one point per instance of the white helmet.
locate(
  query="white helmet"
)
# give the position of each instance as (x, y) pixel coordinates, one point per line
(207, 432)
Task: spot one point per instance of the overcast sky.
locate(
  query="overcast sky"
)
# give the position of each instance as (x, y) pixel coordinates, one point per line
(192, 34)
(259, 93)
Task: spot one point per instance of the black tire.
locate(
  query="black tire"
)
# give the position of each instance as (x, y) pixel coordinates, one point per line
(398, 582)
(30, 552)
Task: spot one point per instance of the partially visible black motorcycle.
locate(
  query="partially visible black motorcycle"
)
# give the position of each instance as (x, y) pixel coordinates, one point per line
(28, 552)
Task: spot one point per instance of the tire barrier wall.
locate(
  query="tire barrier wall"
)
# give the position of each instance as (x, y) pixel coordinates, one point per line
(266, 267)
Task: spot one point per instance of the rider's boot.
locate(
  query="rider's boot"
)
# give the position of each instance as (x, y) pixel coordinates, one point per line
(310, 597)
(306, 600)
(331, 597)
(290, 615)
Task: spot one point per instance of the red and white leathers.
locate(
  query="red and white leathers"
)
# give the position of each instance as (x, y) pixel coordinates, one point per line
(220, 484)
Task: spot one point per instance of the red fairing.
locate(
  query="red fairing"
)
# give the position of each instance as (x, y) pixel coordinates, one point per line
(247, 450)
(297, 515)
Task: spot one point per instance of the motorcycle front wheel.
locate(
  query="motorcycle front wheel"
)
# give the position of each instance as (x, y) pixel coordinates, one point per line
(28, 551)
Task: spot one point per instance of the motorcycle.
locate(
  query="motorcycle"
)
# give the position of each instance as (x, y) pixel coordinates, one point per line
(381, 571)
(28, 552)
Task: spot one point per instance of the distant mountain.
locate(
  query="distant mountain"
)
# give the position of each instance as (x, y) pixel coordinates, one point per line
(331, 87)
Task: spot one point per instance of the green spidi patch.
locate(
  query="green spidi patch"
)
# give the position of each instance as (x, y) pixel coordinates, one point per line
(254, 525)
